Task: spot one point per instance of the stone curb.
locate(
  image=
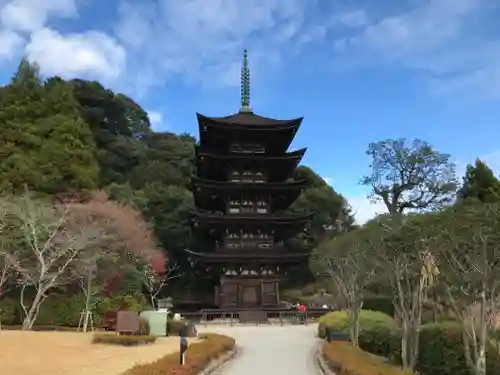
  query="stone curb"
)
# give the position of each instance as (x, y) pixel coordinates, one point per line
(218, 363)
(325, 370)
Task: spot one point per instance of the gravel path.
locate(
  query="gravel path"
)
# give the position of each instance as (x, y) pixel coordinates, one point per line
(287, 350)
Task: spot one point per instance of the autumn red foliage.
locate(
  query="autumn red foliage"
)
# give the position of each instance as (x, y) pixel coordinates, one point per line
(127, 231)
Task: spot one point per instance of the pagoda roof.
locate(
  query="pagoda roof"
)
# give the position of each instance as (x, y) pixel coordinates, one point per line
(258, 218)
(250, 121)
(260, 256)
(201, 182)
(297, 154)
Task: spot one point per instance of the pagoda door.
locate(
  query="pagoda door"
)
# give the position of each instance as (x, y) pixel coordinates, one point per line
(270, 295)
(249, 296)
(229, 295)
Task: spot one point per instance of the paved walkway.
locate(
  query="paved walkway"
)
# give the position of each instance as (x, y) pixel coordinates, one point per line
(276, 350)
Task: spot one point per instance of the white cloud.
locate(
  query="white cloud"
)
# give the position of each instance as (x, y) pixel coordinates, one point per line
(364, 209)
(354, 18)
(202, 40)
(10, 43)
(436, 37)
(30, 15)
(156, 119)
(92, 53)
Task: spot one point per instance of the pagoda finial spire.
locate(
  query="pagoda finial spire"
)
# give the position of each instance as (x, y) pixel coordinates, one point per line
(245, 85)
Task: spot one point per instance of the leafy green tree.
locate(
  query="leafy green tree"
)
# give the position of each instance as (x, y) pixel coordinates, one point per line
(329, 209)
(410, 176)
(45, 144)
(480, 183)
(168, 159)
(117, 124)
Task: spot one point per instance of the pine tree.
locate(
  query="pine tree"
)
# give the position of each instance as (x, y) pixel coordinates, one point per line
(44, 143)
(480, 183)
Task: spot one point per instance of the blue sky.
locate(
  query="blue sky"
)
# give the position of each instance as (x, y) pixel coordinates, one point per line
(357, 70)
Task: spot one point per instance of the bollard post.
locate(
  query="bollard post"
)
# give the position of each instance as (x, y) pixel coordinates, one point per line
(182, 351)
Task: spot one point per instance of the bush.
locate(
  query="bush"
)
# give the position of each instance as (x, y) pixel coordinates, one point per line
(123, 340)
(144, 328)
(63, 310)
(344, 359)
(377, 334)
(338, 321)
(9, 310)
(442, 351)
(198, 356)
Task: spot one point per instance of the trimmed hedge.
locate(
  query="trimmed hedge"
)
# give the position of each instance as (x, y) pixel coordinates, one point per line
(123, 340)
(377, 332)
(198, 357)
(442, 352)
(339, 321)
(344, 359)
(60, 310)
(441, 348)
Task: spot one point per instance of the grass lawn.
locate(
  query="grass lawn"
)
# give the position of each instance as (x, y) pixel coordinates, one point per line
(70, 353)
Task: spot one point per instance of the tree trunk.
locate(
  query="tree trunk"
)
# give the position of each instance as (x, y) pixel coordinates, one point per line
(404, 347)
(88, 300)
(483, 332)
(32, 313)
(353, 314)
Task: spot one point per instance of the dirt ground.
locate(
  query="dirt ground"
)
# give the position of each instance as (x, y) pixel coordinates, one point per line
(69, 353)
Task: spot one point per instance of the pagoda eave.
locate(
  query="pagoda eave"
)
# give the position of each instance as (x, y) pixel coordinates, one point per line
(258, 218)
(254, 186)
(216, 257)
(297, 155)
(248, 121)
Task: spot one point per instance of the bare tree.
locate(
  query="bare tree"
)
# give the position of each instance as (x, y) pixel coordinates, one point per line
(401, 252)
(344, 260)
(155, 281)
(410, 177)
(61, 243)
(50, 244)
(469, 261)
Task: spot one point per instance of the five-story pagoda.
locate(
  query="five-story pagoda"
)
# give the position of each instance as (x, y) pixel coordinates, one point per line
(241, 191)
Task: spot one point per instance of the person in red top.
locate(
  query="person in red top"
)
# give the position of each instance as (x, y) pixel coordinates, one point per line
(302, 309)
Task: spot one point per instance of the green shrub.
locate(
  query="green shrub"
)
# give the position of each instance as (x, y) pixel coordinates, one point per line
(9, 311)
(60, 310)
(144, 328)
(123, 340)
(338, 321)
(442, 352)
(63, 310)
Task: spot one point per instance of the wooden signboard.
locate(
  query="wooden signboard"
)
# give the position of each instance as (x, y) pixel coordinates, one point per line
(127, 322)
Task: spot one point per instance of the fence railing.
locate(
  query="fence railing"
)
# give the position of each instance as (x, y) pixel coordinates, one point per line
(256, 317)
